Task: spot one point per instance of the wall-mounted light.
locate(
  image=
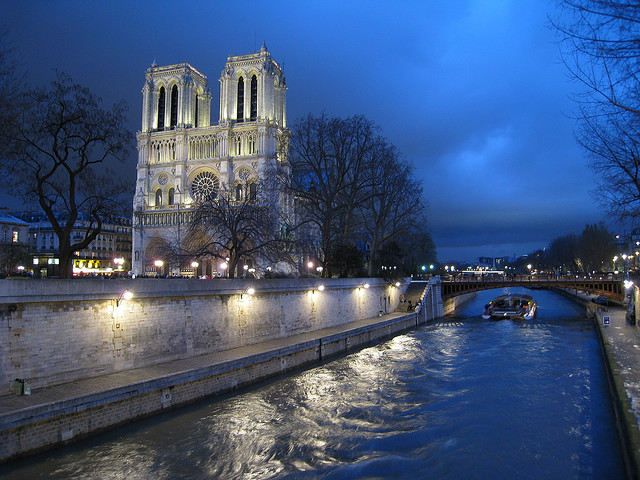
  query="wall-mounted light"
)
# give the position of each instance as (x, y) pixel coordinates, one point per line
(317, 288)
(124, 295)
(365, 285)
(248, 291)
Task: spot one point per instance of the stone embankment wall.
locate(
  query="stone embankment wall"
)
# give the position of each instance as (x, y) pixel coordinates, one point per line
(451, 304)
(56, 331)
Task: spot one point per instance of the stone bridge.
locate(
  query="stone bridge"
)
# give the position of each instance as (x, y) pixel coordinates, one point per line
(610, 285)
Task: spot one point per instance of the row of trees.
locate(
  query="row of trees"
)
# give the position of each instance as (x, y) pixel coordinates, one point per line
(591, 251)
(354, 189)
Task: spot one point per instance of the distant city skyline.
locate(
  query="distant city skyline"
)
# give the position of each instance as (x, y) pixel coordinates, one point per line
(473, 94)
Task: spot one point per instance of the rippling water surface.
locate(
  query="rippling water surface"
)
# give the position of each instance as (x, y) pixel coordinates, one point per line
(459, 398)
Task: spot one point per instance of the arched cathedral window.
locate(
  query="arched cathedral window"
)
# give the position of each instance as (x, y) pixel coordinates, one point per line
(172, 195)
(253, 192)
(254, 98)
(239, 192)
(240, 109)
(161, 102)
(174, 106)
(195, 119)
(158, 197)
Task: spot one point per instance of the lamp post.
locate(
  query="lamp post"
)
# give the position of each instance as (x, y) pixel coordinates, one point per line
(195, 266)
(309, 267)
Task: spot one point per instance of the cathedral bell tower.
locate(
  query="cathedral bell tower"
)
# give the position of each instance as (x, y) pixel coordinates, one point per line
(183, 158)
(175, 96)
(253, 89)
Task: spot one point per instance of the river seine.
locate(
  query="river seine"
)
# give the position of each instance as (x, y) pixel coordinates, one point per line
(459, 398)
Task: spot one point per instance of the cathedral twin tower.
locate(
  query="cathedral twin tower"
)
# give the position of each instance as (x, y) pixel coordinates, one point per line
(182, 158)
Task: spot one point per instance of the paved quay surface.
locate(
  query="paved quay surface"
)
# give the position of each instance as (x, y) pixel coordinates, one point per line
(11, 404)
(624, 340)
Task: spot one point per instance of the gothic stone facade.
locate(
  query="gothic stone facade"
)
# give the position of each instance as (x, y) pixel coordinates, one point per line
(182, 157)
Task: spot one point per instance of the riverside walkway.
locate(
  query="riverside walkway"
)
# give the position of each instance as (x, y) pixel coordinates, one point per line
(172, 384)
(83, 389)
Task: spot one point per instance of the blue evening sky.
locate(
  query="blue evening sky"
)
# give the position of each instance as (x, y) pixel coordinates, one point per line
(472, 92)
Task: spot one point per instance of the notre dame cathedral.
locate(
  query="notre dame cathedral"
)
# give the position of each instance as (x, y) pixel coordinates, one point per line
(182, 157)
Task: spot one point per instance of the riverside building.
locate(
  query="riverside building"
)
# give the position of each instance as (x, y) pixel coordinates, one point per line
(184, 158)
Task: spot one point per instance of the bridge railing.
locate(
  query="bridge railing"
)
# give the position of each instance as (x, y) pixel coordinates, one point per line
(530, 278)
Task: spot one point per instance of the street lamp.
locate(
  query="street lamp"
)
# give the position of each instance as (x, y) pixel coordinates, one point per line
(119, 262)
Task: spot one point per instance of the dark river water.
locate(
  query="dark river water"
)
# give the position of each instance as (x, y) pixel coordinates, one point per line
(460, 398)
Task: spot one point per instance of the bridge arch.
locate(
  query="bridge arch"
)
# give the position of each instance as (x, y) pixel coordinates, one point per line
(612, 287)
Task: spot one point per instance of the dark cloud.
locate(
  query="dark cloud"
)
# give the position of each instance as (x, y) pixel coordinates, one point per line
(471, 92)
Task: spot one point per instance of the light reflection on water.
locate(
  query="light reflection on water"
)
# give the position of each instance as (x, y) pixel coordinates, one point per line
(461, 398)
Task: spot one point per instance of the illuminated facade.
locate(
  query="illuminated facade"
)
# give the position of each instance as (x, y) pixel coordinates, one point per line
(182, 157)
(109, 253)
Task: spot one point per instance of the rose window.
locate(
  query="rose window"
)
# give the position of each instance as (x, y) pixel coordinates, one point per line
(205, 186)
(163, 178)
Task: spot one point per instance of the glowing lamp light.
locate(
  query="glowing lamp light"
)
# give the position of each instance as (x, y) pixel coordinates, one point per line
(366, 285)
(195, 264)
(124, 295)
(158, 263)
(248, 291)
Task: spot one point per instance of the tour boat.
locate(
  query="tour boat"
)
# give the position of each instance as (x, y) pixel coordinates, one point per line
(513, 305)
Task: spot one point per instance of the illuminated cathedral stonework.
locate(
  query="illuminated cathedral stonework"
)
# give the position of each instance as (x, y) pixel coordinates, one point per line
(182, 157)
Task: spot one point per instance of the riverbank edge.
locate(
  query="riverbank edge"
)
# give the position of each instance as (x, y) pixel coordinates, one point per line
(626, 423)
(48, 425)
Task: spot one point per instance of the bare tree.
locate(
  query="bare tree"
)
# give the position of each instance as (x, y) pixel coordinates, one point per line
(329, 158)
(238, 228)
(601, 49)
(59, 152)
(595, 248)
(600, 40)
(392, 204)
(613, 148)
(562, 253)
